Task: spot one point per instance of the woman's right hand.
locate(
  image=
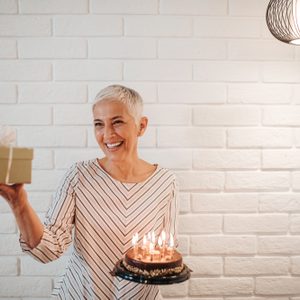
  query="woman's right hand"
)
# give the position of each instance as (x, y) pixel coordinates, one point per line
(14, 194)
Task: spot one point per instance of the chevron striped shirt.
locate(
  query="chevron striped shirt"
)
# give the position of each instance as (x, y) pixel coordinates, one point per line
(104, 213)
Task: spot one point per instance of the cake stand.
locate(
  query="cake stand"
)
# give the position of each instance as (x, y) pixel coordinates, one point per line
(122, 272)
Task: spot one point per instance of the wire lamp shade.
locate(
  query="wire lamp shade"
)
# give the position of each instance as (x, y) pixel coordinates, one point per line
(283, 20)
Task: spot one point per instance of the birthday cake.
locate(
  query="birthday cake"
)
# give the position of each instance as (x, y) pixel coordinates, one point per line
(153, 265)
(153, 259)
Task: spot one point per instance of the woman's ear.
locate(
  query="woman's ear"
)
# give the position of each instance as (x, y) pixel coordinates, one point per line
(143, 125)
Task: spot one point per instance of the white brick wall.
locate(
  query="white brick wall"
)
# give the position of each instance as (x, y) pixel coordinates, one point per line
(222, 98)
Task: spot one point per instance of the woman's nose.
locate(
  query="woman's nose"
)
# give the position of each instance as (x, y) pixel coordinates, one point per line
(109, 131)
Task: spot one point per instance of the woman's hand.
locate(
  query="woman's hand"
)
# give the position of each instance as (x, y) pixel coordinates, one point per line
(15, 195)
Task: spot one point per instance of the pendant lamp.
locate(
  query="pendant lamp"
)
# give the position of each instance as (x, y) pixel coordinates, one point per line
(283, 20)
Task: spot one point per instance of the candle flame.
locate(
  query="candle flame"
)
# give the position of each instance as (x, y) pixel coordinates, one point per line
(153, 237)
(163, 235)
(135, 239)
(159, 242)
(144, 240)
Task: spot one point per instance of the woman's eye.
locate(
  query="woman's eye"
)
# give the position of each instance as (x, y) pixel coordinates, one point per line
(117, 122)
(98, 124)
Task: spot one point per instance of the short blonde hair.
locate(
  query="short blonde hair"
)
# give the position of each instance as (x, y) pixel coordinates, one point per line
(125, 95)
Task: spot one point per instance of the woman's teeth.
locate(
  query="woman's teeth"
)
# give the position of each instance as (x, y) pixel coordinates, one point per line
(114, 145)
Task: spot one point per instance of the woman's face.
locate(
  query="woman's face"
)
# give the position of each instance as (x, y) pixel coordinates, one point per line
(116, 131)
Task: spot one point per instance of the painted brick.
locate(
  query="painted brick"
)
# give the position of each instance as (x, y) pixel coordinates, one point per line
(183, 246)
(59, 136)
(244, 8)
(225, 202)
(9, 6)
(25, 115)
(181, 137)
(178, 290)
(124, 7)
(157, 70)
(257, 93)
(87, 70)
(52, 48)
(147, 90)
(195, 224)
(279, 245)
(192, 49)
(295, 223)
(225, 27)
(240, 266)
(89, 25)
(259, 50)
(226, 115)
(168, 158)
(296, 94)
(295, 263)
(281, 72)
(257, 181)
(277, 286)
(226, 159)
(281, 159)
(289, 202)
(205, 265)
(7, 223)
(281, 115)
(168, 114)
(122, 48)
(201, 181)
(54, 7)
(45, 180)
(296, 181)
(160, 26)
(43, 159)
(221, 286)
(218, 244)
(193, 7)
(263, 223)
(52, 93)
(226, 71)
(9, 245)
(25, 26)
(184, 203)
(40, 201)
(198, 93)
(25, 286)
(260, 137)
(66, 114)
(25, 70)
(8, 48)
(8, 93)
(8, 266)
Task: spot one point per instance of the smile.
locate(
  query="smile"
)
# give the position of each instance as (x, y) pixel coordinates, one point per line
(113, 145)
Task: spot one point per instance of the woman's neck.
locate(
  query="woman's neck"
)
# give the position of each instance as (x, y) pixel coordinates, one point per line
(127, 171)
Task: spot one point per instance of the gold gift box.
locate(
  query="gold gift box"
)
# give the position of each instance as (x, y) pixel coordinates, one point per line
(21, 159)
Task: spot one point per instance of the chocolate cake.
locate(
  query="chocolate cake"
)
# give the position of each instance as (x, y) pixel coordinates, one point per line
(153, 265)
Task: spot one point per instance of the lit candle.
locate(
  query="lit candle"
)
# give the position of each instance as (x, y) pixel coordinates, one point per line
(160, 247)
(153, 237)
(135, 239)
(144, 247)
(171, 245)
(151, 250)
(163, 237)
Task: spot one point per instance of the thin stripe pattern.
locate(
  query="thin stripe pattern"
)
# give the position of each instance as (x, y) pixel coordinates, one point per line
(100, 215)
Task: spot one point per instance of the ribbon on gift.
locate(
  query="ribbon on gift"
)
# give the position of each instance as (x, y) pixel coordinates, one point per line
(8, 139)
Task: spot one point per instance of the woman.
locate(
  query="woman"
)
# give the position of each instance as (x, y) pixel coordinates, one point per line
(106, 201)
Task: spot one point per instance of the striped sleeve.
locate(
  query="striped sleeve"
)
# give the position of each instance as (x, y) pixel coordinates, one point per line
(171, 217)
(58, 223)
